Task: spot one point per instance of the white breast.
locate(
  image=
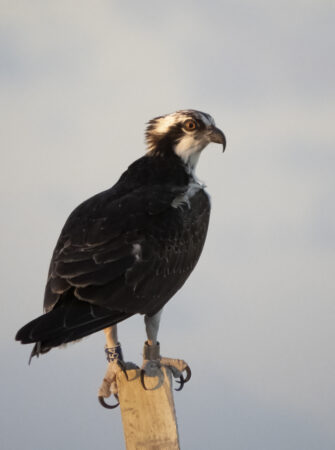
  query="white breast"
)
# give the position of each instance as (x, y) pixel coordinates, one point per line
(184, 198)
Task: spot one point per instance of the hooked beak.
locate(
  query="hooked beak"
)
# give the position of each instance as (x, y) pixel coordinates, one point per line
(216, 135)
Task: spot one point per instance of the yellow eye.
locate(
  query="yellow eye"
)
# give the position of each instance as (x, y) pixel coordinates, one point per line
(190, 125)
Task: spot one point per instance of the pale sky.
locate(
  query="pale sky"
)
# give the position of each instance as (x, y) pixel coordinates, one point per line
(255, 321)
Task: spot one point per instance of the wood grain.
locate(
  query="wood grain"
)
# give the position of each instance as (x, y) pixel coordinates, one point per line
(148, 416)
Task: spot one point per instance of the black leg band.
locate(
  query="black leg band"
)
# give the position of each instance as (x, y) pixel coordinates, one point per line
(114, 353)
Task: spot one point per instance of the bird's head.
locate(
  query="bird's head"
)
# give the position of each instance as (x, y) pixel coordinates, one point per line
(185, 132)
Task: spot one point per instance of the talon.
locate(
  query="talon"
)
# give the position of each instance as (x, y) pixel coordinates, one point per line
(122, 366)
(188, 374)
(142, 379)
(106, 405)
(181, 382)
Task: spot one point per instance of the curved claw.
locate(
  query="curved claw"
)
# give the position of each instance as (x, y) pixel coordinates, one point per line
(188, 374)
(106, 405)
(142, 379)
(159, 382)
(122, 366)
(181, 382)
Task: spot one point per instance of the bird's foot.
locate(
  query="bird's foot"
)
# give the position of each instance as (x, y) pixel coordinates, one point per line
(115, 365)
(152, 363)
(178, 367)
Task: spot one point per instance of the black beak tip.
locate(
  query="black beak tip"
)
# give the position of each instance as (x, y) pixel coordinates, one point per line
(218, 137)
(224, 143)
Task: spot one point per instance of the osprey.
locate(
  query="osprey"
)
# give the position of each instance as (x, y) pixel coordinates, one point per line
(129, 249)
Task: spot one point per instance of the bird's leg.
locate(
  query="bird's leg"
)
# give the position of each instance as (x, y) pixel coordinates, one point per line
(152, 327)
(152, 361)
(111, 336)
(115, 364)
(113, 347)
(151, 354)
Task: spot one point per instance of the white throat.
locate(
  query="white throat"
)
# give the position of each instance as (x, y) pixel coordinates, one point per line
(189, 150)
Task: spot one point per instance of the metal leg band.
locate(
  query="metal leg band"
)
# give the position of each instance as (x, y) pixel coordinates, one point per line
(151, 352)
(114, 353)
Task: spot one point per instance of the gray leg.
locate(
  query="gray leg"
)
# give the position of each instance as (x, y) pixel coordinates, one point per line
(152, 361)
(111, 336)
(152, 327)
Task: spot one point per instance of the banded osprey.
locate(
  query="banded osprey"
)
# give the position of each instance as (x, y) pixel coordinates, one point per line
(129, 249)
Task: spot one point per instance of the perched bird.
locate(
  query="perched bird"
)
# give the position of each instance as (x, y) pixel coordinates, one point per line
(129, 249)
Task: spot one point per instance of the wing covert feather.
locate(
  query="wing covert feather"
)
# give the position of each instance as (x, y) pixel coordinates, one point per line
(129, 254)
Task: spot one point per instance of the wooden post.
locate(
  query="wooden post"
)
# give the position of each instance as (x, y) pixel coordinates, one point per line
(148, 415)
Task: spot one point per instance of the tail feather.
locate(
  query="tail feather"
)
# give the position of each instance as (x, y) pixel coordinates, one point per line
(70, 321)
